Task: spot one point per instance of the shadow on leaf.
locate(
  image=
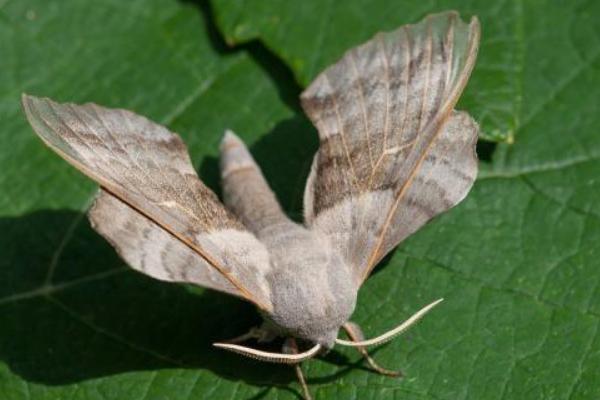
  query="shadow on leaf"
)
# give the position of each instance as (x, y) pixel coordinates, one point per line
(72, 311)
(285, 156)
(98, 318)
(95, 317)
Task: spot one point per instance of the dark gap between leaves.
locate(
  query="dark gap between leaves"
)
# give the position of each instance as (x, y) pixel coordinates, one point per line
(485, 150)
(278, 71)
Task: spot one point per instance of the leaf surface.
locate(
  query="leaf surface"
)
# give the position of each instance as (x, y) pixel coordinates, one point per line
(509, 85)
(517, 261)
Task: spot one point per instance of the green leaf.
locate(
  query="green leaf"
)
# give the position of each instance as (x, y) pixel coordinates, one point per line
(311, 34)
(517, 262)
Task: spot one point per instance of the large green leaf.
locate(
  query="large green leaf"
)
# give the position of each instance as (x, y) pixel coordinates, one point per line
(517, 262)
(514, 77)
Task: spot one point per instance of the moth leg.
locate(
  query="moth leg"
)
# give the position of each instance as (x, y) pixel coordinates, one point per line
(291, 347)
(261, 334)
(356, 334)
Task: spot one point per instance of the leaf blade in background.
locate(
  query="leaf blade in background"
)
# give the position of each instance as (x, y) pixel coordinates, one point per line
(516, 262)
(310, 35)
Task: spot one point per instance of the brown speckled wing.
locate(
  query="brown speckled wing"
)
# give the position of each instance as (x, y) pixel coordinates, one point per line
(146, 175)
(393, 151)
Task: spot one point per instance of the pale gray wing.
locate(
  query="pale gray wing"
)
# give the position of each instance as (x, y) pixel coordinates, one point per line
(150, 249)
(147, 168)
(393, 153)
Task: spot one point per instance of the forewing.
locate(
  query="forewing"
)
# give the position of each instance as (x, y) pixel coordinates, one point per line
(147, 168)
(393, 154)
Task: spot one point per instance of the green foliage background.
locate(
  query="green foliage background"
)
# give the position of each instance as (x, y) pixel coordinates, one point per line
(518, 261)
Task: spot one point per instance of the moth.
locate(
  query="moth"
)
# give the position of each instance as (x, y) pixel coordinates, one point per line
(393, 154)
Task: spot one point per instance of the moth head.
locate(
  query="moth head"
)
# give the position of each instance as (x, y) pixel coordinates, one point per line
(327, 341)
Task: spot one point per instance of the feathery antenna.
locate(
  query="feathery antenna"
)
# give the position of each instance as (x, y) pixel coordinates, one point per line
(389, 335)
(279, 358)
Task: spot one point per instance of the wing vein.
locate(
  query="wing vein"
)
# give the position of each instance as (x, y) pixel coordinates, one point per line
(408, 57)
(189, 190)
(408, 182)
(114, 139)
(190, 242)
(77, 136)
(152, 158)
(71, 142)
(435, 126)
(342, 133)
(387, 92)
(408, 163)
(425, 90)
(359, 82)
(450, 50)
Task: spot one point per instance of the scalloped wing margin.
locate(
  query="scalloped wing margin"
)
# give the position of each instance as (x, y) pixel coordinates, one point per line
(393, 152)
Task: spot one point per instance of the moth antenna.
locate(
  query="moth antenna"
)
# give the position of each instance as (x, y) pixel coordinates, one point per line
(267, 356)
(389, 335)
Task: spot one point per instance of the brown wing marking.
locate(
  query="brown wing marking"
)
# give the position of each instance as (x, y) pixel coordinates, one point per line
(379, 111)
(150, 249)
(147, 167)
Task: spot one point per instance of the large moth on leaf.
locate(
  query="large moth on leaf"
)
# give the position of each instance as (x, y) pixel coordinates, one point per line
(393, 154)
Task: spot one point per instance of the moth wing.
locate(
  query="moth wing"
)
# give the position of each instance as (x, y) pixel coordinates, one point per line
(150, 249)
(393, 152)
(146, 174)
